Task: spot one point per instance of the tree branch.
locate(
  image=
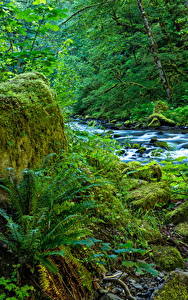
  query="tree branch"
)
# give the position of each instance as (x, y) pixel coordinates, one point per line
(81, 10)
(77, 13)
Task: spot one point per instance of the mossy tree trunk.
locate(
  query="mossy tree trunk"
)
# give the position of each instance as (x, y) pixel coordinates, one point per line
(154, 51)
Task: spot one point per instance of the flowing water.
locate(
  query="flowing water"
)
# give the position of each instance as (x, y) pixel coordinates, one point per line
(176, 139)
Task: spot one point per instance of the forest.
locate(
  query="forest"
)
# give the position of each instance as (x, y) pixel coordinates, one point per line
(93, 150)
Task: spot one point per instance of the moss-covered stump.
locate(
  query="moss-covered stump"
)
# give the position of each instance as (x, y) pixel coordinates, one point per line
(149, 172)
(31, 125)
(167, 258)
(179, 214)
(175, 288)
(148, 196)
(156, 120)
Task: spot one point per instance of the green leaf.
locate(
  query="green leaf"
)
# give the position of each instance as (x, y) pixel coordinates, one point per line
(60, 252)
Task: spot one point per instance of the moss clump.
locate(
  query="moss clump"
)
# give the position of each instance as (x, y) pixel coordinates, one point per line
(161, 144)
(31, 125)
(141, 150)
(148, 196)
(136, 146)
(180, 214)
(149, 172)
(157, 119)
(182, 229)
(160, 107)
(146, 231)
(175, 288)
(167, 258)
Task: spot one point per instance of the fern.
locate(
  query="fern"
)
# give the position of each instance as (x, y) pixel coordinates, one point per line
(46, 219)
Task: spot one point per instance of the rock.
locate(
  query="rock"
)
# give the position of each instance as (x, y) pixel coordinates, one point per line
(167, 258)
(175, 287)
(161, 144)
(149, 172)
(141, 150)
(179, 214)
(148, 196)
(157, 120)
(148, 232)
(182, 229)
(135, 146)
(31, 124)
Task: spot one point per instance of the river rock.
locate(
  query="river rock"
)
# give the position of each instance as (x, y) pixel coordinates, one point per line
(175, 287)
(31, 124)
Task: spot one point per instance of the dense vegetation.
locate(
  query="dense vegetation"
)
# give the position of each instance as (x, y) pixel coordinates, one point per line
(76, 211)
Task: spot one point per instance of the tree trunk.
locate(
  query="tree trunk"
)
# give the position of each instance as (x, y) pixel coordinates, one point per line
(154, 50)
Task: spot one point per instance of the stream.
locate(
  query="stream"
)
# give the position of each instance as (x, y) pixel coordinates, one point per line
(177, 141)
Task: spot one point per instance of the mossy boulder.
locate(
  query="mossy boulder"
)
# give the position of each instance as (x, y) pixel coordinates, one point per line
(149, 172)
(147, 231)
(161, 144)
(182, 229)
(150, 195)
(31, 124)
(167, 258)
(175, 287)
(158, 119)
(141, 150)
(179, 214)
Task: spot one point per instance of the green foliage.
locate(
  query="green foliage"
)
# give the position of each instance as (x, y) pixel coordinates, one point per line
(175, 172)
(11, 290)
(179, 115)
(46, 217)
(118, 78)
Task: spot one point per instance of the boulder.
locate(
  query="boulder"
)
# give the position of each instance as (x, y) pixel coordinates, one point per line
(31, 124)
(149, 172)
(167, 258)
(179, 214)
(150, 195)
(175, 287)
(182, 229)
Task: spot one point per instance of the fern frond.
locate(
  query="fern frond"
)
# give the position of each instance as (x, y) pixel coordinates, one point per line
(44, 278)
(47, 263)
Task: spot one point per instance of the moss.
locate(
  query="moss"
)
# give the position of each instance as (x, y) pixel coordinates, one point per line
(175, 288)
(136, 146)
(141, 150)
(167, 258)
(149, 172)
(182, 229)
(160, 107)
(180, 214)
(154, 123)
(148, 232)
(150, 195)
(157, 119)
(31, 125)
(162, 144)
